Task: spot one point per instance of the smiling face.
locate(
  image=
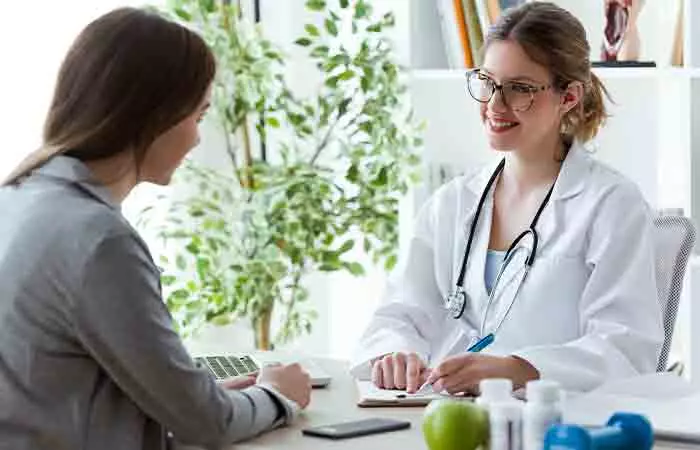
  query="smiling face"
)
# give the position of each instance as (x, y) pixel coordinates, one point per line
(514, 127)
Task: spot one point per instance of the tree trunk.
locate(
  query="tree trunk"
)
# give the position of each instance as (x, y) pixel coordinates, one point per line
(261, 327)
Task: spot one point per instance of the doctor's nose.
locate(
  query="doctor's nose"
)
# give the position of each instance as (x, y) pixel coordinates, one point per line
(497, 102)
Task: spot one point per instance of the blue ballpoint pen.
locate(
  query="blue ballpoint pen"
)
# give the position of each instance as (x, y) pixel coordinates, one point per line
(482, 343)
(476, 348)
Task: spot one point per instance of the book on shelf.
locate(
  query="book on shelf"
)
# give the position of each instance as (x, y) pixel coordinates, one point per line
(464, 24)
(451, 34)
(482, 12)
(463, 34)
(677, 50)
(494, 8)
(474, 30)
(505, 4)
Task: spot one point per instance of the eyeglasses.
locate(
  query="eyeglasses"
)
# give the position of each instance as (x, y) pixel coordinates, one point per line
(517, 95)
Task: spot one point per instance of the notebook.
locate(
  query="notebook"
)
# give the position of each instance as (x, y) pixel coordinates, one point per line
(224, 367)
(371, 396)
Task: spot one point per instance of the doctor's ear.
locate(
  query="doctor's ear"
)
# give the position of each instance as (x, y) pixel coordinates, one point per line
(572, 96)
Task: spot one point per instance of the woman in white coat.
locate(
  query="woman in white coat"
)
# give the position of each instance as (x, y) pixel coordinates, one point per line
(587, 309)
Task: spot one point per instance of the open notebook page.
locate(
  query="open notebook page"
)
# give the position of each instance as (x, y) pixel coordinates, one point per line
(370, 395)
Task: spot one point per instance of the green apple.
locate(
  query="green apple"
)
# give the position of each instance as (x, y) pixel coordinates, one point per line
(455, 425)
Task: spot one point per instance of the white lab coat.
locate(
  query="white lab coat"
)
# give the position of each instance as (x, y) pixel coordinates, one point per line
(588, 311)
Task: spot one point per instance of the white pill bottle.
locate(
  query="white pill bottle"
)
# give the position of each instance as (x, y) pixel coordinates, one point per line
(505, 426)
(494, 390)
(542, 410)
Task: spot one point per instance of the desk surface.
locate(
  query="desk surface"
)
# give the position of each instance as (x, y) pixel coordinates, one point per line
(336, 403)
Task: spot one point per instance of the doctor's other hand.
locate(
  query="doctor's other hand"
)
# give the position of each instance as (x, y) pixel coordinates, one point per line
(290, 380)
(399, 371)
(462, 373)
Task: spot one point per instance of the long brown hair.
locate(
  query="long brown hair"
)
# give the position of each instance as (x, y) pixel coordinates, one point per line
(552, 37)
(129, 76)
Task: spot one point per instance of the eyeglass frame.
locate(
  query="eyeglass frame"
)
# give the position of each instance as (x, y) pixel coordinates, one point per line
(532, 88)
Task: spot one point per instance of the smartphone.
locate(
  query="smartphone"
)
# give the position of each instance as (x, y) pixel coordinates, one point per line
(356, 428)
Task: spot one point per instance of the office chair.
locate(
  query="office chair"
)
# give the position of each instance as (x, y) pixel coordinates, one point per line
(674, 238)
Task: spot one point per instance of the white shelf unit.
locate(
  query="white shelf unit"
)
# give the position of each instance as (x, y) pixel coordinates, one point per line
(645, 120)
(652, 136)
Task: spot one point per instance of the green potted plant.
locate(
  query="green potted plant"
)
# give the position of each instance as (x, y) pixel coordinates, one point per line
(243, 239)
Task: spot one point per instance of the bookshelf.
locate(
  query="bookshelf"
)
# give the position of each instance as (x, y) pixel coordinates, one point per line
(652, 136)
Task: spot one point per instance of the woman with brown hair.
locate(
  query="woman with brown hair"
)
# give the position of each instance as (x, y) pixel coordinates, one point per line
(88, 355)
(539, 266)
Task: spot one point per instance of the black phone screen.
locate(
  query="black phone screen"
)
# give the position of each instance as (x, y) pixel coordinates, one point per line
(357, 428)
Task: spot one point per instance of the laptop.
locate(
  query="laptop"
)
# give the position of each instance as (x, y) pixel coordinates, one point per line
(224, 367)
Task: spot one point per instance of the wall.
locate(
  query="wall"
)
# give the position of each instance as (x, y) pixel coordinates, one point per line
(33, 42)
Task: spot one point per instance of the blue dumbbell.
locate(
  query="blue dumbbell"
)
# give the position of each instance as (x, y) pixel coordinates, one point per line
(623, 432)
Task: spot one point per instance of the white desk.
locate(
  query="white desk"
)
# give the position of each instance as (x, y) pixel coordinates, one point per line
(336, 403)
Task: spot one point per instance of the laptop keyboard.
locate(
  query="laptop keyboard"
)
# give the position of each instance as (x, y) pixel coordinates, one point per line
(222, 367)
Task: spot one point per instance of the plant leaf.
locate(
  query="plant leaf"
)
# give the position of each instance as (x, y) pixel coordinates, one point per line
(320, 51)
(180, 262)
(390, 262)
(347, 246)
(311, 29)
(331, 27)
(182, 14)
(315, 5)
(361, 9)
(356, 268)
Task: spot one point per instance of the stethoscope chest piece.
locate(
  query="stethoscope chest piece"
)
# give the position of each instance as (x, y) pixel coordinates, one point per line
(457, 302)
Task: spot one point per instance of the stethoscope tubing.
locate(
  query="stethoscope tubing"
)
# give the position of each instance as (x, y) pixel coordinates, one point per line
(460, 292)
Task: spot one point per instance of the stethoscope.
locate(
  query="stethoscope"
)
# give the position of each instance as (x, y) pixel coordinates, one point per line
(457, 300)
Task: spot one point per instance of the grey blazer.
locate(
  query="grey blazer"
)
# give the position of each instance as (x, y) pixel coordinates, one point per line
(88, 355)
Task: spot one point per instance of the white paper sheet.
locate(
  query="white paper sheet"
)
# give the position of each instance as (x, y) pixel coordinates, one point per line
(370, 395)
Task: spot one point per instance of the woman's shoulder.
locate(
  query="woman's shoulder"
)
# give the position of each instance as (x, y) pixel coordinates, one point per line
(607, 181)
(609, 197)
(64, 216)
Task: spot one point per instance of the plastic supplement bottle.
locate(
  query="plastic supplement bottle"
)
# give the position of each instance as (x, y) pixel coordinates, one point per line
(505, 426)
(542, 410)
(495, 390)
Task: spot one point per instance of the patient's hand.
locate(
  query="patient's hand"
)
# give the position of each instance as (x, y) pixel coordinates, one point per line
(241, 382)
(399, 371)
(290, 380)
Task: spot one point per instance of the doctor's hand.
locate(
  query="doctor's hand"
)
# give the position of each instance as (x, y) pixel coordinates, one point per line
(462, 373)
(399, 371)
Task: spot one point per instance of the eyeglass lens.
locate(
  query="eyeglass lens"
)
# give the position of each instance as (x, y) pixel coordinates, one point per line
(517, 96)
